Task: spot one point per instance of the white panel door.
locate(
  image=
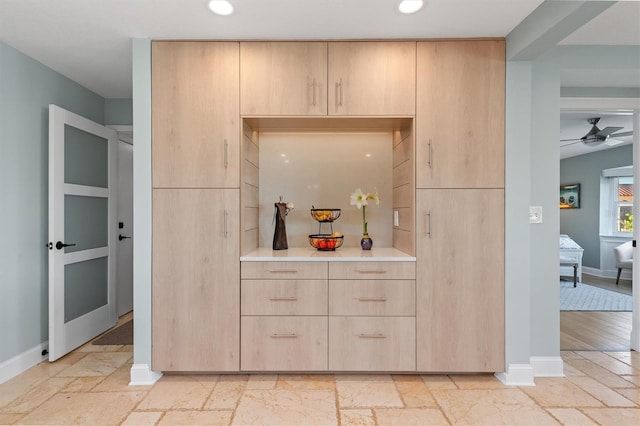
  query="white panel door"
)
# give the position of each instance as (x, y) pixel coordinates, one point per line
(82, 231)
(124, 277)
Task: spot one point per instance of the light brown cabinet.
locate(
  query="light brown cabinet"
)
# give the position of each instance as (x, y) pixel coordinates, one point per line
(372, 324)
(460, 114)
(196, 276)
(284, 343)
(284, 316)
(446, 316)
(334, 78)
(195, 115)
(372, 78)
(283, 78)
(460, 280)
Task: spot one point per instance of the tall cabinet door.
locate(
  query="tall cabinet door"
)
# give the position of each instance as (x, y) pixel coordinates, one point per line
(460, 280)
(195, 114)
(460, 114)
(283, 78)
(196, 276)
(372, 78)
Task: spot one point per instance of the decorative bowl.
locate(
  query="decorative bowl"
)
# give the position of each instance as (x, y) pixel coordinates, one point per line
(325, 215)
(325, 242)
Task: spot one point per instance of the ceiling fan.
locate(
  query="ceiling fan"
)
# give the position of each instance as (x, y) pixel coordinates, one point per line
(595, 136)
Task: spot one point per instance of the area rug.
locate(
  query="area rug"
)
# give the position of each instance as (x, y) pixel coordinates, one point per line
(585, 297)
(122, 335)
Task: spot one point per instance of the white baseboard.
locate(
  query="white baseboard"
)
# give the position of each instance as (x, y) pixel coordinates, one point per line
(517, 375)
(547, 366)
(142, 375)
(592, 271)
(22, 362)
(626, 274)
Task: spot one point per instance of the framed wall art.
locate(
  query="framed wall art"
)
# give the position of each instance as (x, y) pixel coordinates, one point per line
(570, 196)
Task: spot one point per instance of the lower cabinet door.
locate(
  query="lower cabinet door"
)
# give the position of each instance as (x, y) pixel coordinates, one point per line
(372, 344)
(196, 280)
(279, 343)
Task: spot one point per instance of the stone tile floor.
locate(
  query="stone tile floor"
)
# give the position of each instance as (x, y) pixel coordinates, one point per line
(90, 387)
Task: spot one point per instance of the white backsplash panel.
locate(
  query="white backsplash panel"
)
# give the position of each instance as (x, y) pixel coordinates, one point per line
(322, 169)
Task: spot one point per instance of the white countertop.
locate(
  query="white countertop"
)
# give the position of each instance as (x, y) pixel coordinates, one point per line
(309, 254)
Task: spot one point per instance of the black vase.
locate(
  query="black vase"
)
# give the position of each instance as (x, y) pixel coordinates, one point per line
(366, 242)
(280, 234)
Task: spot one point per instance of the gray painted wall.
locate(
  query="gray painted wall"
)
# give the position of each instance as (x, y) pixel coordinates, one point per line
(141, 64)
(26, 89)
(544, 181)
(583, 224)
(517, 195)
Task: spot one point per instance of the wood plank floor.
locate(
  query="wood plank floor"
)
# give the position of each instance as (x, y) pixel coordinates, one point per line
(597, 330)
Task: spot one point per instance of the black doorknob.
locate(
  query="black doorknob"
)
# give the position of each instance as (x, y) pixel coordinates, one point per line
(60, 245)
(122, 237)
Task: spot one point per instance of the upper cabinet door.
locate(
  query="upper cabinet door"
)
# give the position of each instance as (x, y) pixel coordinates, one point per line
(195, 114)
(460, 114)
(372, 78)
(283, 78)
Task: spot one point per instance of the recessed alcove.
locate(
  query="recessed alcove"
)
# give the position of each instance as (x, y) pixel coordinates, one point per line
(320, 162)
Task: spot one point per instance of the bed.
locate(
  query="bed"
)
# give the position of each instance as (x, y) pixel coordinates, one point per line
(570, 259)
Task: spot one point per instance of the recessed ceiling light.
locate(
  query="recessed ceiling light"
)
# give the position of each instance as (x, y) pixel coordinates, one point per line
(410, 6)
(221, 7)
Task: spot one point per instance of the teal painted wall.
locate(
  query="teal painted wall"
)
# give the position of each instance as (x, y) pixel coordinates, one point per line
(26, 89)
(583, 224)
(118, 112)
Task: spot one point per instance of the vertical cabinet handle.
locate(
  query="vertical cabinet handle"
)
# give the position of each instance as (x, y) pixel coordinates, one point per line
(429, 154)
(427, 224)
(313, 87)
(226, 154)
(225, 223)
(338, 93)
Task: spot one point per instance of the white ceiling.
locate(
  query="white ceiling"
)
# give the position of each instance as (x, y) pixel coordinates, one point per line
(89, 41)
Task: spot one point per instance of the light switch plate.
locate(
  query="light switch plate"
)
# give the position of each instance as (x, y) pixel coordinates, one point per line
(535, 214)
(396, 218)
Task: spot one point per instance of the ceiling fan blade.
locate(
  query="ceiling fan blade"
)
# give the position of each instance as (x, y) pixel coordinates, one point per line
(621, 134)
(570, 143)
(608, 130)
(569, 140)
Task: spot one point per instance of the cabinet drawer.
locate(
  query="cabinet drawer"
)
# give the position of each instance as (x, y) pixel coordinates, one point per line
(284, 270)
(372, 270)
(372, 344)
(284, 343)
(283, 297)
(372, 297)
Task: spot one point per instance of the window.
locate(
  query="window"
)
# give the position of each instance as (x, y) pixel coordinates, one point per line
(616, 202)
(623, 204)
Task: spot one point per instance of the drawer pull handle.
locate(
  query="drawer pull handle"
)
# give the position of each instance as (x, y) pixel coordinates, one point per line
(285, 271)
(372, 336)
(284, 336)
(283, 299)
(372, 299)
(370, 271)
